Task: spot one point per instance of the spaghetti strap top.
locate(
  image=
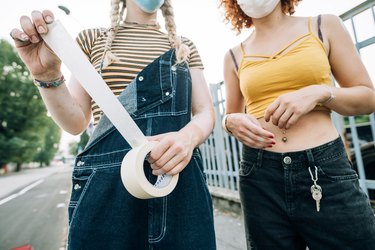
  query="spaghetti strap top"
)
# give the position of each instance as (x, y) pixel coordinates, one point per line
(298, 64)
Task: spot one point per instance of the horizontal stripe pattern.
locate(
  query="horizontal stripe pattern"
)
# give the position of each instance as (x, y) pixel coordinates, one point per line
(136, 47)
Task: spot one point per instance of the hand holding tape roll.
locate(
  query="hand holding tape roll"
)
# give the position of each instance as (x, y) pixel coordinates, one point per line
(132, 172)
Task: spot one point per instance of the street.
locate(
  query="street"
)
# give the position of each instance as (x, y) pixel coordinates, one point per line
(33, 211)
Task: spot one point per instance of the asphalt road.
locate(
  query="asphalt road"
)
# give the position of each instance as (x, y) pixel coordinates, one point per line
(33, 210)
(36, 214)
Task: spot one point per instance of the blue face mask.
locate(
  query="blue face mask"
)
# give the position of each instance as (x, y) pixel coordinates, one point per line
(149, 6)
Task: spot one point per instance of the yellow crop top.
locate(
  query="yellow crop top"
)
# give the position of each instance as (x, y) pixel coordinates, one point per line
(262, 81)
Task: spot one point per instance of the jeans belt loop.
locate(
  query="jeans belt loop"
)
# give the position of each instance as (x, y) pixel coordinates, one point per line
(310, 158)
(259, 158)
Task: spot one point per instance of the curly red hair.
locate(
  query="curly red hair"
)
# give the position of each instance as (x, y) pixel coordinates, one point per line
(239, 20)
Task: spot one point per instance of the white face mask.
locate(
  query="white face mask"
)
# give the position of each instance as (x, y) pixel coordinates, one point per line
(257, 8)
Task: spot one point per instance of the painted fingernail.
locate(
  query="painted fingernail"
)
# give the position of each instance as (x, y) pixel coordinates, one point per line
(271, 136)
(270, 146)
(49, 19)
(24, 38)
(41, 29)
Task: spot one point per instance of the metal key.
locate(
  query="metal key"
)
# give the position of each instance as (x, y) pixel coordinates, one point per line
(316, 192)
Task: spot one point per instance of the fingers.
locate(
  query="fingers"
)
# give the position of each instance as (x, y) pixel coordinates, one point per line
(292, 120)
(171, 155)
(39, 22)
(173, 166)
(158, 151)
(48, 16)
(19, 37)
(252, 134)
(249, 131)
(166, 161)
(271, 109)
(283, 120)
(258, 130)
(31, 28)
(283, 114)
(258, 137)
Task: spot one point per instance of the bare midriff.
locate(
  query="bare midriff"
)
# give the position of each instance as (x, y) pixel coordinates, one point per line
(311, 130)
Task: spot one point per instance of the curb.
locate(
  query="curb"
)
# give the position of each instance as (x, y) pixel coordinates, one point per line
(226, 200)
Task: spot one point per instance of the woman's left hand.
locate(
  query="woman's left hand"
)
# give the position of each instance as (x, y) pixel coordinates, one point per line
(171, 154)
(288, 108)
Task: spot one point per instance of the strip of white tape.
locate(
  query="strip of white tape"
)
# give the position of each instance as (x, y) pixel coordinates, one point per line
(75, 60)
(132, 173)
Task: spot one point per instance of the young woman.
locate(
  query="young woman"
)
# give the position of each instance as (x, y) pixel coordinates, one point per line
(165, 74)
(297, 185)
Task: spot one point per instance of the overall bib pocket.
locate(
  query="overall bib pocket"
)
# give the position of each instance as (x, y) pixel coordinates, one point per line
(81, 180)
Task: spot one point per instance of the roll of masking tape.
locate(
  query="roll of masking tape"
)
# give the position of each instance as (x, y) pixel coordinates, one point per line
(134, 179)
(132, 172)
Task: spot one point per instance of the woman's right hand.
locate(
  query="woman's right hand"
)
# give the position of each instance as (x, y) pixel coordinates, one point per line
(248, 130)
(43, 64)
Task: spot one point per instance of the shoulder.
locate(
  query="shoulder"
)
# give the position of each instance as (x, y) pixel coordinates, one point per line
(331, 22)
(333, 27)
(235, 51)
(190, 44)
(330, 19)
(187, 41)
(91, 34)
(233, 56)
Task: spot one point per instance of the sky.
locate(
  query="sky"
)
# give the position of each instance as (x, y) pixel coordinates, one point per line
(199, 20)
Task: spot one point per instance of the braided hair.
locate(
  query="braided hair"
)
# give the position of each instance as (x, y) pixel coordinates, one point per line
(117, 15)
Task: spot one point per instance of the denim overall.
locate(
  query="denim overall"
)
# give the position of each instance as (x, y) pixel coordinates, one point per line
(102, 214)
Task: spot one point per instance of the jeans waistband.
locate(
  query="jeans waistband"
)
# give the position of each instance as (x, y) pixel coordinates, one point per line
(325, 152)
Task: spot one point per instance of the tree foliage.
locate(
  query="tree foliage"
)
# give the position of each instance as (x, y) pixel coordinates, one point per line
(23, 122)
(49, 147)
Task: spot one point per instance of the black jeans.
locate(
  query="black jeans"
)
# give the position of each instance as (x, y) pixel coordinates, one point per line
(279, 210)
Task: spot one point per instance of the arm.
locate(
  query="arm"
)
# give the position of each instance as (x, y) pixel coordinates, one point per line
(356, 95)
(175, 149)
(244, 127)
(203, 119)
(70, 108)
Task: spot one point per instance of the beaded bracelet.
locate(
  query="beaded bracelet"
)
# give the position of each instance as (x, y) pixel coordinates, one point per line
(224, 124)
(50, 84)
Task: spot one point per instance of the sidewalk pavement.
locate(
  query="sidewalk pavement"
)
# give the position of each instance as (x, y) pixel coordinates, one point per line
(230, 231)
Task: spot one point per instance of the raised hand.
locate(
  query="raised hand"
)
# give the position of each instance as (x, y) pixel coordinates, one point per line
(39, 58)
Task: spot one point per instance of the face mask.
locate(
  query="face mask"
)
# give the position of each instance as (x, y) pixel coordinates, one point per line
(257, 8)
(149, 6)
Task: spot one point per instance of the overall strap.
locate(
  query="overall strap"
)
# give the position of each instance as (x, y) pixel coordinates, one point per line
(234, 59)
